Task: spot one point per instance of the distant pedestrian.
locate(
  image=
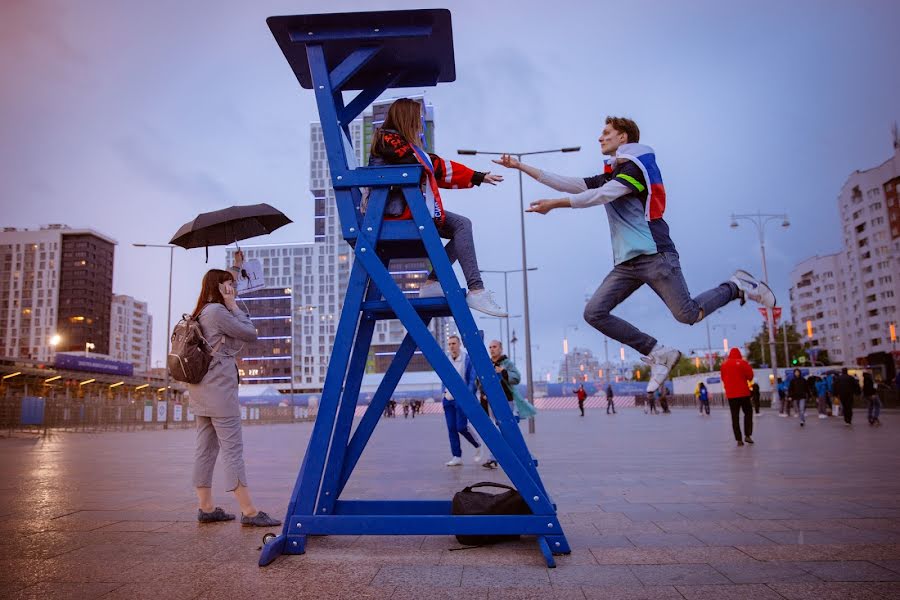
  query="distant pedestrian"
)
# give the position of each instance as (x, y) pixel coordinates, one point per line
(822, 397)
(845, 387)
(798, 392)
(405, 409)
(781, 392)
(664, 399)
(610, 399)
(871, 395)
(703, 397)
(582, 396)
(736, 377)
(510, 378)
(214, 401)
(754, 397)
(651, 402)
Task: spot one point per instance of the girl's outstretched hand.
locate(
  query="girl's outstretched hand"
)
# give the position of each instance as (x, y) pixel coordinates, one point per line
(508, 161)
(492, 179)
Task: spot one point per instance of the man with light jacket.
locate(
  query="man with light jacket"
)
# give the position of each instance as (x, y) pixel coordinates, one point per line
(737, 376)
(457, 424)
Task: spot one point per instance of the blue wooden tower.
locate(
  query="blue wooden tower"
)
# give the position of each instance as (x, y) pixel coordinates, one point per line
(372, 52)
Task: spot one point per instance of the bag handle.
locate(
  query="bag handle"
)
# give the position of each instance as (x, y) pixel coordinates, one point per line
(489, 484)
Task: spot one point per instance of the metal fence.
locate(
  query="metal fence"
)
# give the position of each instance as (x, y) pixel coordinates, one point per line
(39, 414)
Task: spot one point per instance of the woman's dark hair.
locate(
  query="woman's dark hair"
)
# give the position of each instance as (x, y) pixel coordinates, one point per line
(209, 289)
(405, 117)
(798, 373)
(702, 386)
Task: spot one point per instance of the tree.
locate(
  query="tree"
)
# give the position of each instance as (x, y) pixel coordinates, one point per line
(758, 348)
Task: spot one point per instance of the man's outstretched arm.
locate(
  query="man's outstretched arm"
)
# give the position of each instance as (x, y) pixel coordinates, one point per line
(560, 183)
(604, 194)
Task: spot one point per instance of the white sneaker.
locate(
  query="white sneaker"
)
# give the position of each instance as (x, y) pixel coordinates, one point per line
(431, 289)
(456, 461)
(478, 454)
(823, 416)
(483, 301)
(661, 361)
(753, 289)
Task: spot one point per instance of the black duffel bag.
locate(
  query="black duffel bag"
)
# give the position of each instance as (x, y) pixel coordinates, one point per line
(470, 502)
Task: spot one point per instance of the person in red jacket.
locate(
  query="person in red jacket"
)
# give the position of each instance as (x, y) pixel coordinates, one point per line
(737, 375)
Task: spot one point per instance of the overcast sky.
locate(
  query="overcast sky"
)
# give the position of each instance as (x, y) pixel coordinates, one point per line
(132, 117)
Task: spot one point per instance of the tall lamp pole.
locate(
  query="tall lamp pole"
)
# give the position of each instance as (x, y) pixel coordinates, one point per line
(168, 317)
(760, 220)
(528, 361)
(506, 294)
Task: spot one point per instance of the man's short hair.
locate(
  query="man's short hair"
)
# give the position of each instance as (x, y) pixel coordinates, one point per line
(626, 126)
(844, 371)
(453, 336)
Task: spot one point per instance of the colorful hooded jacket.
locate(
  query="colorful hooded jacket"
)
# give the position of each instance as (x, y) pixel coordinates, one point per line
(631, 188)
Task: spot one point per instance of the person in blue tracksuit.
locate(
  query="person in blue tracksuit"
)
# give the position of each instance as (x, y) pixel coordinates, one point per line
(457, 424)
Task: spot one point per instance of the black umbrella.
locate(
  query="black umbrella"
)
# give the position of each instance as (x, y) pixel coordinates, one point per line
(229, 225)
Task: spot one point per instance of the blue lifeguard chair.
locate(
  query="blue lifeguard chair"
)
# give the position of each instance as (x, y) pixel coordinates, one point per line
(372, 52)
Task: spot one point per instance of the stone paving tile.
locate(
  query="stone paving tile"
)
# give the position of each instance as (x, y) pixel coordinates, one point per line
(664, 540)
(678, 575)
(889, 589)
(849, 570)
(593, 576)
(731, 538)
(827, 591)
(802, 537)
(633, 556)
(443, 575)
(893, 565)
(764, 572)
(709, 554)
(493, 556)
(506, 576)
(630, 592)
(136, 526)
(610, 541)
(532, 593)
(419, 592)
(790, 552)
(66, 590)
(728, 592)
(155, 591)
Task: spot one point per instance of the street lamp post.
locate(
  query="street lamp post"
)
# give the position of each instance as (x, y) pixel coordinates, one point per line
(168, 317)
(761, 220)
(566, 352)
(519, 155)
(506, 293)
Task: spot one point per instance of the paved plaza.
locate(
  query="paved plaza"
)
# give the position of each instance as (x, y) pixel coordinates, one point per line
(654, 506)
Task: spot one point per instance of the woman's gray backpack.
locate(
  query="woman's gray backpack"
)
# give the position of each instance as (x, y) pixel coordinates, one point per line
(190, 353)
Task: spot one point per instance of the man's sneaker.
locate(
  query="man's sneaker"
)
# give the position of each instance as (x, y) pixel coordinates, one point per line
(431, 289)
(212, 517)
(823, 416)
(483, 301)
(661, 361)
(748, 439)
(751, 288)
(478, 454)
(740, 443)
(456, 461)
(491, 464)
(260, 519)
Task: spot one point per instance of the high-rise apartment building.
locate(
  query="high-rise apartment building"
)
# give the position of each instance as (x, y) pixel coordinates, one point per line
(55, 285)
(131, 332)
(317, 274)
(850, 298)
(870, 289)
(817, 305)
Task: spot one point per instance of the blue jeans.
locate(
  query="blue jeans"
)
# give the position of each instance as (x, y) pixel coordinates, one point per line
(461, 247)
(801, 408)
(662, 272)
(874, 408)
(457, 425)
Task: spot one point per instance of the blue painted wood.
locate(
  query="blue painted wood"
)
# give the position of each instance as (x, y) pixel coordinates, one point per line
(353, 63)
(545, 550)
(272, 550)
(414, 524)
(338, 54)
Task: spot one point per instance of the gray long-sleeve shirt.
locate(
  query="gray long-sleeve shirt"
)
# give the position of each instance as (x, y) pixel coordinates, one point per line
(226, 331)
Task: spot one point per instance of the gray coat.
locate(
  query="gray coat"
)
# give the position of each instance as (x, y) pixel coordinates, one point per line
(226, 331)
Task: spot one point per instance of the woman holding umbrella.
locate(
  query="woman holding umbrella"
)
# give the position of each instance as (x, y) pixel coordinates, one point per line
(214, 401)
